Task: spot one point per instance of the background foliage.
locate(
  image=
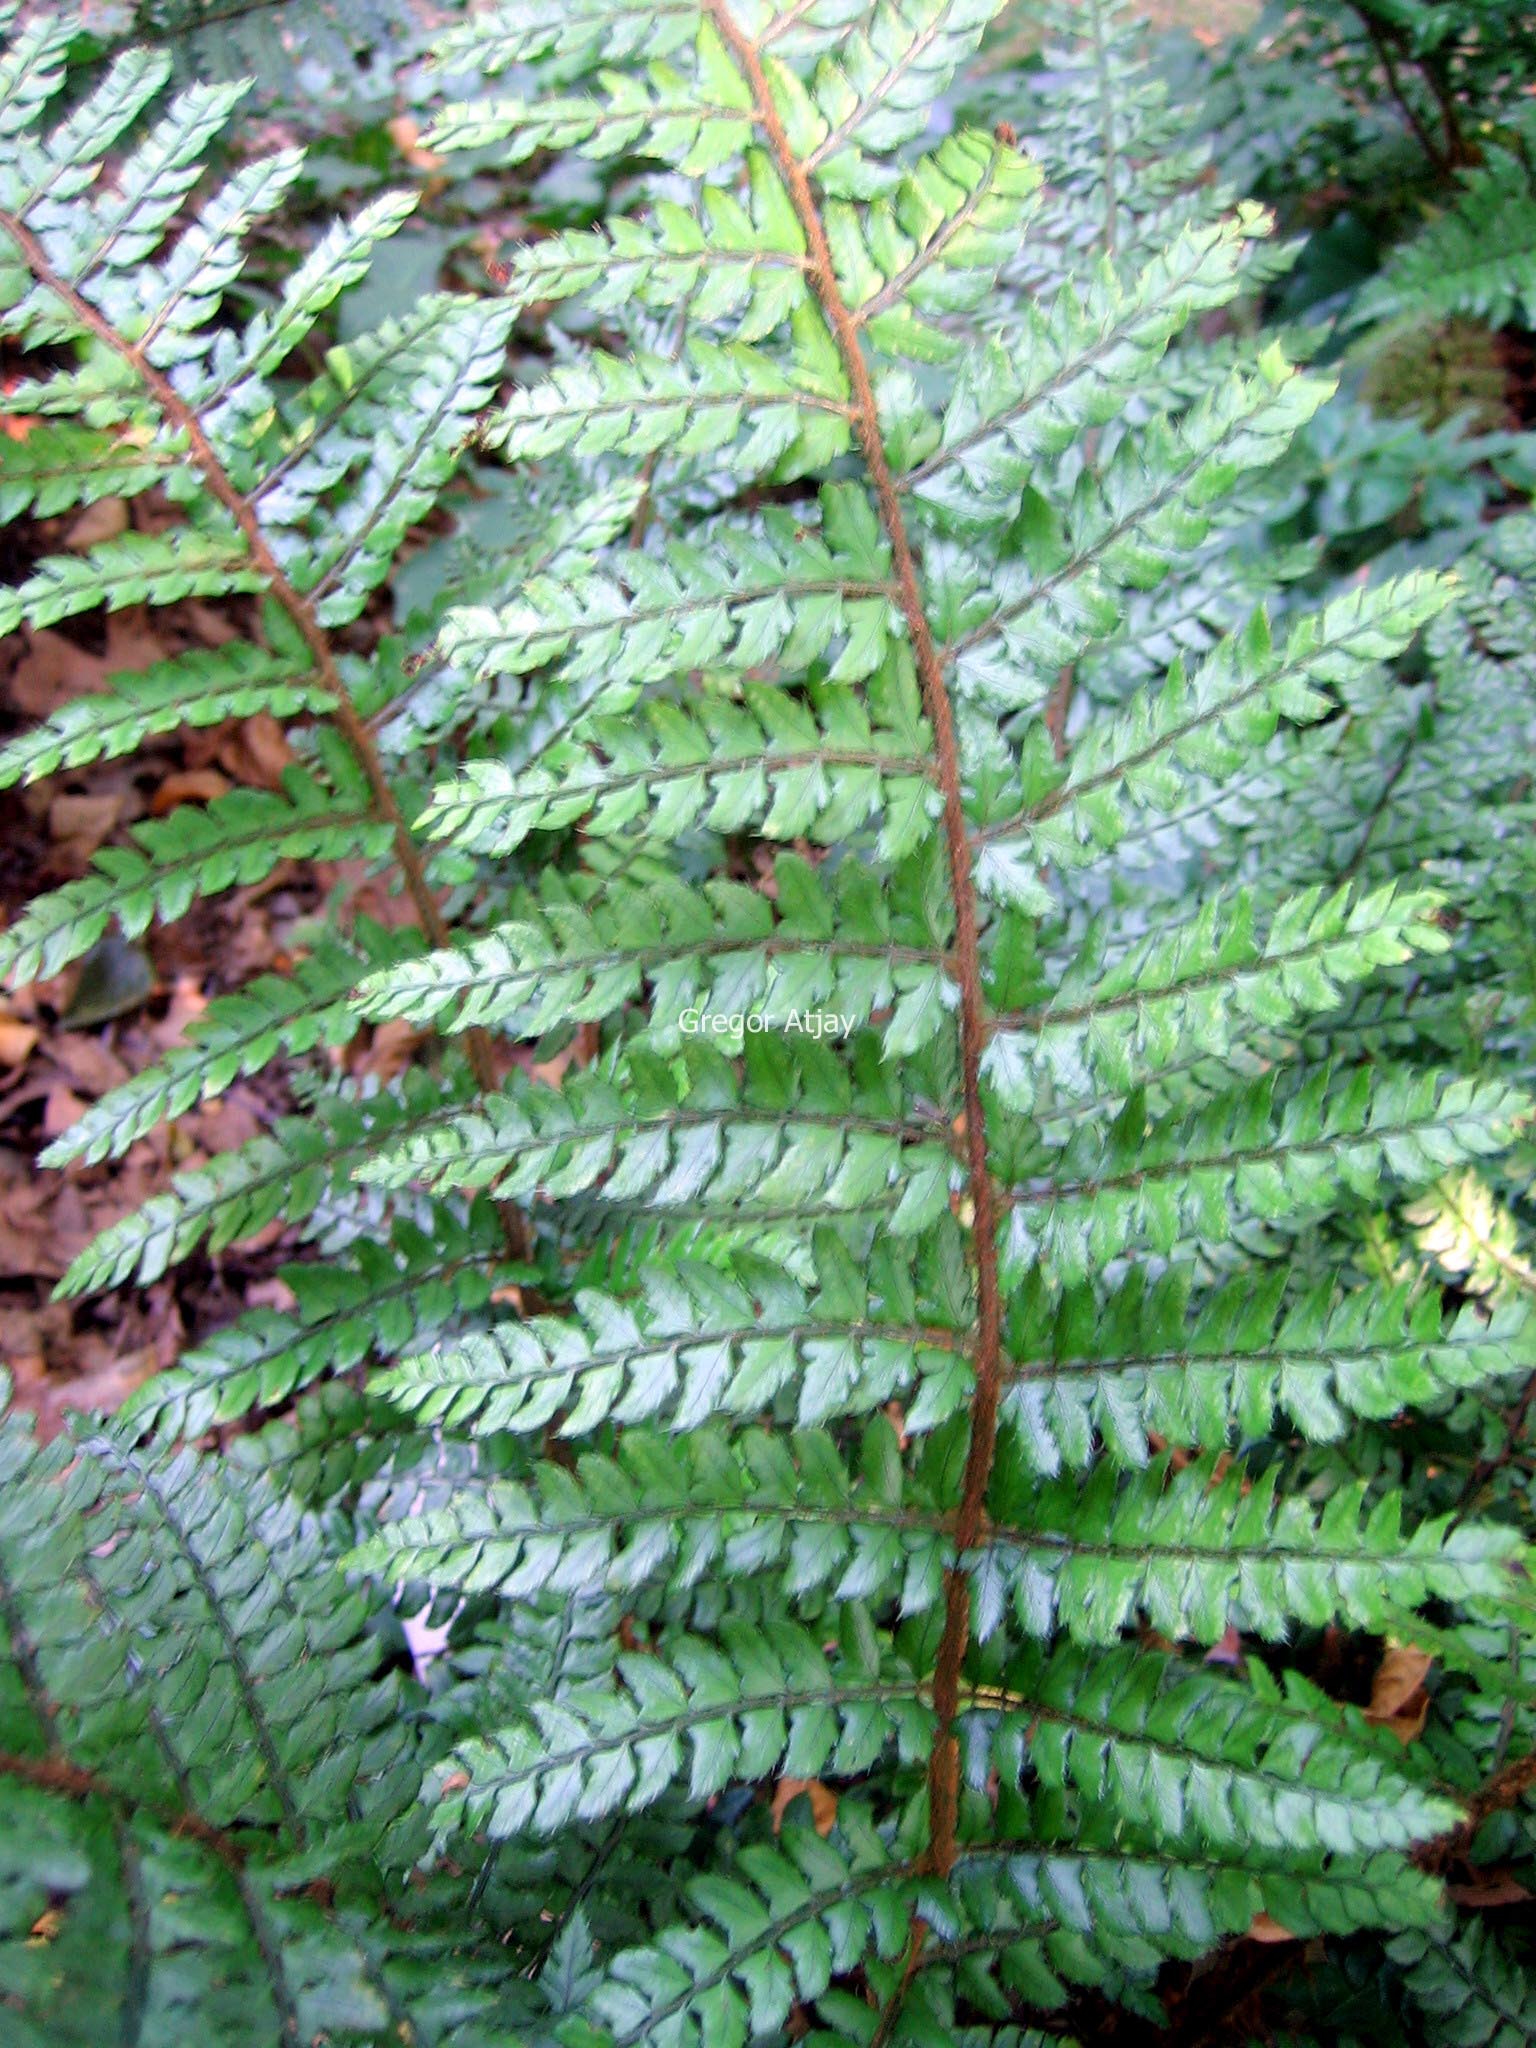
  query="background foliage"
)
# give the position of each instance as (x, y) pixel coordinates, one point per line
(1007, 1521)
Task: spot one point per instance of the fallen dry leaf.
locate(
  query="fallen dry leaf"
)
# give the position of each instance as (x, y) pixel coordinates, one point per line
(16, 1041)
(255, 752)
(405, 134)
(104, 520)
(1263, 1928)
(15, 425)
(553, 1070)
(1229, 1650)
(187, 1004)
(188, 786)
(86, 1062)
(582, 1049)
(391, 1048)
(1398, 1698)
(823, 1802)
(48, 674)
(80, 823)
(62, 1108)
(272, 1293)
(1493, 1888)
(54, 668)
(208, 627)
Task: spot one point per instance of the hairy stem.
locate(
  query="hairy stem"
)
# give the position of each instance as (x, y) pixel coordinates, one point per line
(1506, 1788)
(178, 414)
(943, 1768)
(890, 2012)
(72, 1781)
(1107, 133)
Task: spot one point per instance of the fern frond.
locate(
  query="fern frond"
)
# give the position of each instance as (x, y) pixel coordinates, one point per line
(705, 1340)
(92, 264)
(1184, 1754)
(1203, 723)
(1464, 1227)
(876, 91)
(348, 49)
(31, 71)
(737, 600)
(1124, 170)
(1151, 505)
(56, 468)
(960, 1005)
(822, 770)
(694, 112)
(235, 840)
(1027, 396)
(137, 568)
(1085, 1372)
(235, 1035)
(724, 950)
(767, 1936)
(1477, 258)
(179, 295)
(696, 407)
(373, 1301)
(340, 258)
(1197, 990)
(283, 1173)
(932, 248)
(200, 688)
(1157, 1186)
(414, 424)
(723, 267)
(1100, 1916)
(760, 1700)
(179, 1658)
(793, 1139)
(668, 1509)
(514, 32)
(1467, 1989)
(1192, 1552)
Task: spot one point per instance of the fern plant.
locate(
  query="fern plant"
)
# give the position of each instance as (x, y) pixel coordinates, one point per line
(1395, 90)
(887, 1358)
(341, 55)
(1477, 258)
(1407, 125)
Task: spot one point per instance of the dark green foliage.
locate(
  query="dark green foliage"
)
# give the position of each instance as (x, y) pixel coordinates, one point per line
(210, 1775)
(334, 53)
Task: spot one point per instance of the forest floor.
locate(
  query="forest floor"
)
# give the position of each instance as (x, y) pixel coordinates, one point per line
(1212, 18)
(64, 1042)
